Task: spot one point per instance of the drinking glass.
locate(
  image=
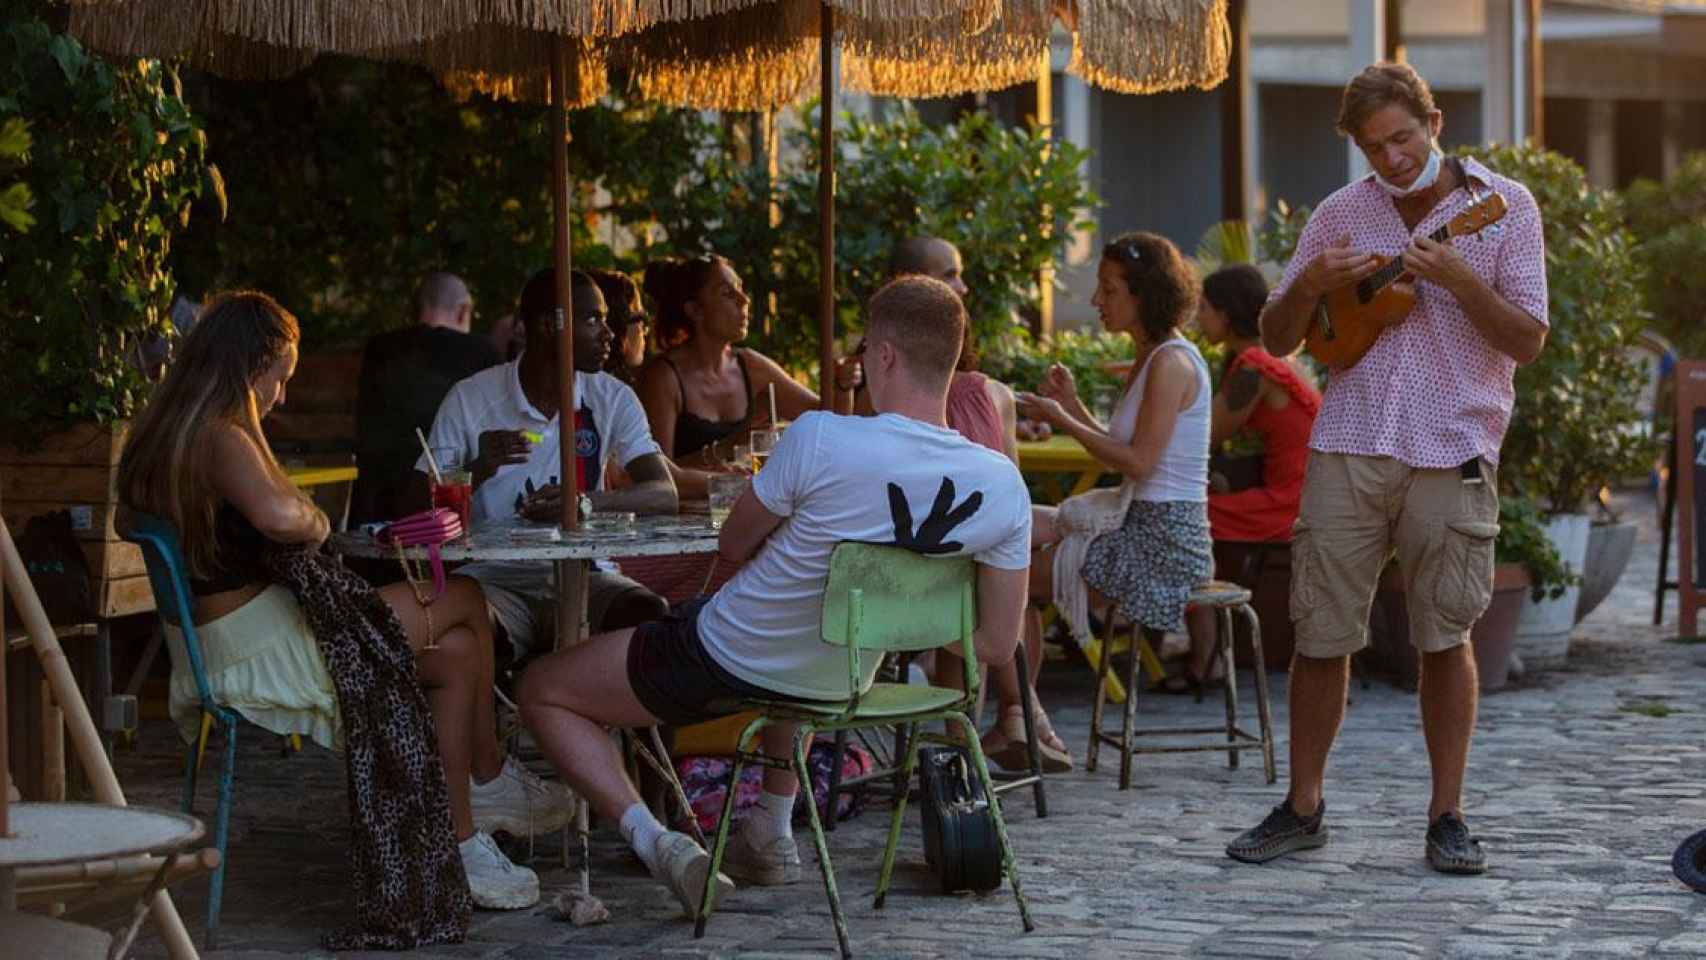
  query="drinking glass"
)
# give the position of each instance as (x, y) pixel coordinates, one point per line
(454, 488)
(763, 444)
(725, 489)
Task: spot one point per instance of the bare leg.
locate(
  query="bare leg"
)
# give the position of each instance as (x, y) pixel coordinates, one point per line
(1199, 622)
(461, 605)
(1318, 688)
(569, 699)
(457, 678)
(1449, 694)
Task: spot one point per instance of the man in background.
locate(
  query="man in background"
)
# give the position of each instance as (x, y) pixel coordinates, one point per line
(405, 375)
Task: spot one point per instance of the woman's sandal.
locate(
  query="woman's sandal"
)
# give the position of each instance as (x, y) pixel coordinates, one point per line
(1014, 756)
(1179, 684)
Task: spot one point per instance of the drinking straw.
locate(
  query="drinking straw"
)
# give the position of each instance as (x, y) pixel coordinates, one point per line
(771, 389)
(431, 461)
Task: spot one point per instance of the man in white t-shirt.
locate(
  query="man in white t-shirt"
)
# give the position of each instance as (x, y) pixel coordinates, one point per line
(488, 419)
(901, 477)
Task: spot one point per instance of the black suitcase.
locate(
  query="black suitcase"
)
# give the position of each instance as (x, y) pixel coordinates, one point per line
(960, 843)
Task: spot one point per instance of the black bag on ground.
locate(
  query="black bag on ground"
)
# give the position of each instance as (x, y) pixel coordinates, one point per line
(960, 843)
(57, 569)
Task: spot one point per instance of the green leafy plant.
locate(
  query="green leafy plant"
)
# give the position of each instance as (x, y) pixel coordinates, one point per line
(115, 159)
(1008, 197)
(1669, 223)
(1576, 426)
(1021, 362)
(352, 180)
(1522, 539)
(15, 199)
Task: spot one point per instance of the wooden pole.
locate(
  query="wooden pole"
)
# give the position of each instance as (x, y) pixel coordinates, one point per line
(826, 209)
(1045, 276)
(5, 707)
(1395, 47)
(1233, 149)
(84, 737)
(1536, 78)
(562, 262)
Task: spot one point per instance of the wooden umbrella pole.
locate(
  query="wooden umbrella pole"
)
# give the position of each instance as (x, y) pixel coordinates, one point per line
(84, 737)
(565, 285)
(826, 209)
(5, 761)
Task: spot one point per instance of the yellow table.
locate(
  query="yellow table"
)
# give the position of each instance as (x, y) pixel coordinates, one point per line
(1061, 454)
(309, 477)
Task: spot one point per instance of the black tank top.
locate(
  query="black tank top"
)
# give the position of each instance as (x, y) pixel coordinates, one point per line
(694, 433)
(240, 547)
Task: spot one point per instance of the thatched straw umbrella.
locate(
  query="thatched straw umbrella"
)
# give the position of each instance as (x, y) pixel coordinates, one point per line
(716, 54)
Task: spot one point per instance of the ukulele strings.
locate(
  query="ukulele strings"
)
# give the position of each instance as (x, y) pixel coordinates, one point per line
(1393, 268)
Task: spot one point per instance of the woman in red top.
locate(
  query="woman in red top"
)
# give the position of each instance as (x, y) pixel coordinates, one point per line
(1262, 394)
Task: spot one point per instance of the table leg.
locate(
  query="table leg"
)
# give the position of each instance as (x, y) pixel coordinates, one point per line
(571, 631)
(1086, 481)
(121, 944)
(8, 890)
(104, 677)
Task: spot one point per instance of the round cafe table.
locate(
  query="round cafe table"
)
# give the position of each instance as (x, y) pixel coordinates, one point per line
(51, 834)
(571, 552)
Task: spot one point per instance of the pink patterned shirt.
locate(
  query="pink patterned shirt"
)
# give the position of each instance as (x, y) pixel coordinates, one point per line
(1432, 392)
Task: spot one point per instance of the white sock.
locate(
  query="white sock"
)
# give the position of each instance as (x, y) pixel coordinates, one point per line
(642, 831)
(773, 818)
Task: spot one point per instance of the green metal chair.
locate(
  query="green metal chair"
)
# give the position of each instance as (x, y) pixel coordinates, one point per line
(879, 599)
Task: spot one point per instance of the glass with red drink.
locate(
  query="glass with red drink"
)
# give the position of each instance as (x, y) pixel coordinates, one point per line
(454, 487)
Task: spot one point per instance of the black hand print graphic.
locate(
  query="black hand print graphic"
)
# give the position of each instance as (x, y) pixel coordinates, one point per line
(944, 517)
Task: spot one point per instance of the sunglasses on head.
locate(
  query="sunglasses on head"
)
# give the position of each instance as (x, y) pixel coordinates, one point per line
(1125, 250)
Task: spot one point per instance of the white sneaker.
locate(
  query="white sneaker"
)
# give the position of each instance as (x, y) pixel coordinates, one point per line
(520, 804)
(764, 863)
(682, 865)
(495, 882)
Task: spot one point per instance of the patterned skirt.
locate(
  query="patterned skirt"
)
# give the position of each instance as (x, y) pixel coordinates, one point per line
(1150, 564)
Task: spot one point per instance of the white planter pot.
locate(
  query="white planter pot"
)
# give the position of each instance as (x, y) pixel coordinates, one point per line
(1543, 633)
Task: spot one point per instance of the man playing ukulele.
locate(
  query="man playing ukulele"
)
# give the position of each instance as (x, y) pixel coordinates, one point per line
(1404, 454)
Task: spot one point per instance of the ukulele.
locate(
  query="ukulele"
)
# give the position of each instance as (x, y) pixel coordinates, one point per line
(1350, 319)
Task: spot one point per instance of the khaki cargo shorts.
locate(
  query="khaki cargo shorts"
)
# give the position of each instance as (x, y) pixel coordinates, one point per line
(1357, 513)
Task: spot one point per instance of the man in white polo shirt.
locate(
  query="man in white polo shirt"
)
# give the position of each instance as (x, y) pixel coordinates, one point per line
(488, 417)
(901, 477)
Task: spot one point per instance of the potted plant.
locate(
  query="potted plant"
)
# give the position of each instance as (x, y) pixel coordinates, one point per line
(1528, 568)
(111, 163)
(1576, 426)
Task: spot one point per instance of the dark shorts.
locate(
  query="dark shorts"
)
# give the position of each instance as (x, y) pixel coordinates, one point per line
(676, 679)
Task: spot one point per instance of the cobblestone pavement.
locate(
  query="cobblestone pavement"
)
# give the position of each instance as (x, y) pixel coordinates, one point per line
(1582, 782)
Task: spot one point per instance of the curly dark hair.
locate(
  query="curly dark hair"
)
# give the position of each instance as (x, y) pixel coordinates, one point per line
(1164, 284)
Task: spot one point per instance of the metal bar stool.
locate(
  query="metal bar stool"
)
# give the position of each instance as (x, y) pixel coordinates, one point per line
(1225, 598)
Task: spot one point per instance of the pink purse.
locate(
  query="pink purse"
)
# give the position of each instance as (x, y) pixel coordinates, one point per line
(429, 528)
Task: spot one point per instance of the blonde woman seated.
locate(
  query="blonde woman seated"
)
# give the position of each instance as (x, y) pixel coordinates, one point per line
(702, 393)
(1145, 545)
(196, 458)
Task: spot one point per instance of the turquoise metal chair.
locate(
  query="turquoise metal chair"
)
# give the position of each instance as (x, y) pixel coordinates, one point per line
(167, 575)
(878, 600)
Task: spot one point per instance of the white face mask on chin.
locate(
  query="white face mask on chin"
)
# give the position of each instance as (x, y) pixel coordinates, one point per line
(1424, 180)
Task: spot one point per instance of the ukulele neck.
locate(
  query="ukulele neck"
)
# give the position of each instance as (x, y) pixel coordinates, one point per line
(1393, 269)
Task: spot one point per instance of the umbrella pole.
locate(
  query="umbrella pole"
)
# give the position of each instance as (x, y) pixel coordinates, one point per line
(565, 292)
(826, 209)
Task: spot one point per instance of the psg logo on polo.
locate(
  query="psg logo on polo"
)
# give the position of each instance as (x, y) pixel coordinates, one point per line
(586, 442)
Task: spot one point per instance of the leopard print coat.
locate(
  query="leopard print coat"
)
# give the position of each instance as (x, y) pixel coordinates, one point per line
(410, 888)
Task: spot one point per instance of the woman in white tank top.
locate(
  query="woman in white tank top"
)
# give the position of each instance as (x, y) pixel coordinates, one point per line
(1148, 560)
